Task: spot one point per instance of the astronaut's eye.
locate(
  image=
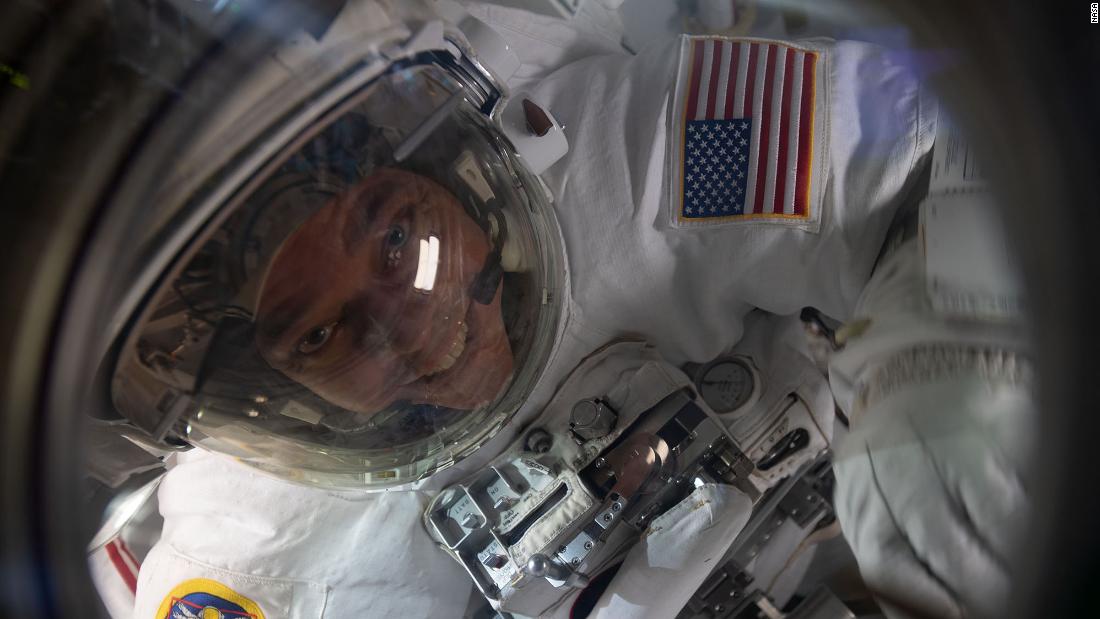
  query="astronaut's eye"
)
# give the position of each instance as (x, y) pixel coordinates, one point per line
(315, 339)
(396, 236)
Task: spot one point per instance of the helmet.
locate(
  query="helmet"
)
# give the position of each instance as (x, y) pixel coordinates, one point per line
(359, 285)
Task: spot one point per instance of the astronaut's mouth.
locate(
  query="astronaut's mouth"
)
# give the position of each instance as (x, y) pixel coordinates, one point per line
(454, 353)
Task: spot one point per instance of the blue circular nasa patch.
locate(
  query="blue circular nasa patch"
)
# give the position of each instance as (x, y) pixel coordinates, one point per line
(202, 598)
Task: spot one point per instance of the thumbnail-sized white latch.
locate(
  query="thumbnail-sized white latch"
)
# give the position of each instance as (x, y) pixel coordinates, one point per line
(536, 135)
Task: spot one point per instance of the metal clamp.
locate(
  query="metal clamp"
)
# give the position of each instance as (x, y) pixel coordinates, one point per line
(727, 463)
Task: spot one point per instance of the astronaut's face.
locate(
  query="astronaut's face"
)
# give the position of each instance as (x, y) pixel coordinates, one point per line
(351, 309)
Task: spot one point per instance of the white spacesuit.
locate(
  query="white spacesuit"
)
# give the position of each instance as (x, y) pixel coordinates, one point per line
(695, 244)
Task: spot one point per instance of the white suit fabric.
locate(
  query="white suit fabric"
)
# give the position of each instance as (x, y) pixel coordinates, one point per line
(305, 552)
(296, 551)
(931, 482)
(114, 570)
(688, 290)
(684, 545)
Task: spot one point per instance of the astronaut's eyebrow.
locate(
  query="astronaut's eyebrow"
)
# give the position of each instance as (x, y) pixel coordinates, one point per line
(364, 210)
(281, 319)
(357, 225)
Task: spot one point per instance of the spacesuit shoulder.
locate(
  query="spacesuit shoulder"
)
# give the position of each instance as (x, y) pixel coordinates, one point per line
(748, 141)
(233, 532)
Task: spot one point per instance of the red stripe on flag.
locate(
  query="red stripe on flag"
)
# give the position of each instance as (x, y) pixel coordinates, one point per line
(121, 567)
(715, 67)
(765, 121)
(696, 74)
(805, 122)
(731, 82)
(781, 188)
(750, 81)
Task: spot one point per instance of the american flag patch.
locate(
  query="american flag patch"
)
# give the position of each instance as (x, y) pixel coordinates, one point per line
(749, 138)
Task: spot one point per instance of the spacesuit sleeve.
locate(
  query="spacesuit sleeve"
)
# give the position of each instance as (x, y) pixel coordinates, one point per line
(930, 482)
(251, 545)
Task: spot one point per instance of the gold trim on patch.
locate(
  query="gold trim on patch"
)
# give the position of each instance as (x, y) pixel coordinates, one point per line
(211, 587)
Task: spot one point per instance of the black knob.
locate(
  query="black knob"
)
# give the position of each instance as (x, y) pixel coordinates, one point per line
(538, 441)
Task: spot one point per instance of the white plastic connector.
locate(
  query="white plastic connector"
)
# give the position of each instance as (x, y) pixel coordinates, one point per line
(539, 152)
(492, 50)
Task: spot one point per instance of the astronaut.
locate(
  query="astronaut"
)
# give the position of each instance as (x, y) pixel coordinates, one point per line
(404, 346)
(343, 352)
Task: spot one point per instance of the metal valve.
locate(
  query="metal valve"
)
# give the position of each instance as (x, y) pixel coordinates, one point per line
(542, 566)
(538, 441)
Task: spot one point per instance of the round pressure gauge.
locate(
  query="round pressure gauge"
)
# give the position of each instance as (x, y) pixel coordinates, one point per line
(726, 383)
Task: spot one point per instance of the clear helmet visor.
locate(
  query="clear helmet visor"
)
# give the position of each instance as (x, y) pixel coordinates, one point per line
(368, 307)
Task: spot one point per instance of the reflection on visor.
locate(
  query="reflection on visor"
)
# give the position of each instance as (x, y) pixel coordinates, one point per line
(359, 308)
(429, 263)
(350, 317)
